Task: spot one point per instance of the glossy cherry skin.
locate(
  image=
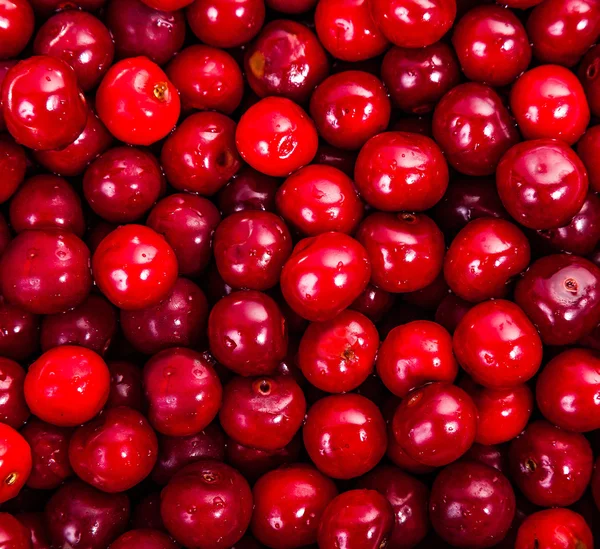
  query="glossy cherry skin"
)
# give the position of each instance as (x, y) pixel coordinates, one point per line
(19, 332)
(401, 171)
(206, 78)
(554, 528)
(144, 539)
(345, 435)
(137, 102)
(492, 45)
(436, 424)
(5, 66)
(43, 114)
(123, 184)
(125, 385)
(134, 267)
(471, 505)
(79, 39)
(473, 128)
(288, 505)
(13, 164)
(47, 202)
(67, 385)
(324, 275)
(45, 8)
(492, 456)
(248, 190)
(183, 391)
(559, 293)
(550, 466)
(15, 462)
(207, 505)
(588, 75)
(413, 23)
(80, 516)
(406, 251)
(34, 523)
(349, 108)
(45, 272)
(586, 150)
(347, 30)
(226, 24)
(12, 532)
(549, 102)
(414, 354)
(373, 302)
(92, 324)
(339, 354)
(187, 223)
(17, 27)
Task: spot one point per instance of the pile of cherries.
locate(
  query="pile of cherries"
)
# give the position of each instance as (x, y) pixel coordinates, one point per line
(299, 273)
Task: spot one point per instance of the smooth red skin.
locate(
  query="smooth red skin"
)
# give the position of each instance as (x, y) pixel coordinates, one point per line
(50, 454)
(79, 39)
(13, 534)
(80, 516)
(436, 424)
(34, 522)
(414, 354)
(250, 249)
(123, 184)
(183, 391)
(13, 408)
(146, 513)
(554, 528)
(588, 75)
(276, 136)
(587, 148)
(291, 6)
(125, 385)
(492, 456)
(5, 66)
(562, 315)
(178, 321)
(134, 267)
(19, 332)
(336, 158)
(549, 102)
(248, 190)
(349, 108)
(17, 27)
(347, 30)
(399, 171)
(26, 95)
(473, 128)
(492, 45)
(317, 199)
(356, 519)
(206, 78)
(226, 24)
(167, 5)
(15, 462)
(567, 388)
(324, 275)
(47, 202)
(413, 23)
(176, 452)
(13, 164)
(144, 539)
(482, 259)
(187, 223)
(45, 8)
(471, 505)
(128, 105)
(406, 251)
(45, 272)
(138, 29)
(222, 501)
(550, 466)
(338, 355)
(345, 435)
(373, 302)
(418, 78)
(400, 458)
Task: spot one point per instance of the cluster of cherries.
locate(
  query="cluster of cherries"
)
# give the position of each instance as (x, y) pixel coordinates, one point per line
(299, 273)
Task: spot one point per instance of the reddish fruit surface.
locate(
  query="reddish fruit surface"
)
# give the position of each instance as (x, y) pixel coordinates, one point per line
(15, 462)
(558, 527)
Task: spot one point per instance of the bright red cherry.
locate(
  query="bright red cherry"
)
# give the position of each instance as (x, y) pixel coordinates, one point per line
(125, 385)
(15, 462)
(137, 102)
(134, 267)
(17, 27)
(248, 190)
(13, 164)
(549, 102)
(554, 528)
(42, 104)
(19, 332)
(144, 539)
(12, 532)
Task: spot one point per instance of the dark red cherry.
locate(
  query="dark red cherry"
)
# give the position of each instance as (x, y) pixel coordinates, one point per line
(13, 408)
(554, 527)
(451, 311)
(125, 385)
(291, 6)
(34, 522)
(45, 8)
(13, 534)
(493, 456)
(586, 150)
(13, 164)
(589, 71)
(19, 332)
(248, 190)
(144, 539)
(373, 302)
(336, 158)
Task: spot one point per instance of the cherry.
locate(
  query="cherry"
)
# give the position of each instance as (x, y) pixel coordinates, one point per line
(207, 504)
(13, 408)
(45, 8)
(134, 267)
(400, 458)
(167, 5)
(558, 527)
(473, 128)
(12, 532)
(471, 505)
(586, 150)
(80, 516)
(137, 102)
(324, 275)
(492, 45)
(373, 302)
(406, 251)
(521, 4)
(345, 435)
(15, 462)
(288, 505)
(493, 456)
(34, 523)
(13, 164)
(17, 27)
(125, 385)
(549, 102)
(559, 293)
(401, 171)
(436, 424)
(291, 6)
(19, 332)
(206, 78)
(183, 391)
(248, 190)
(588, 76)
(187, 223)
(144, 539)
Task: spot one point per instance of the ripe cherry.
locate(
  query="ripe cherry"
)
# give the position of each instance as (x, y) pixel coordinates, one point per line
(125, 385)
(15, 462)
(13, 164)
(144, 539)
(554, 526)
(19, 332)
(13, 408)
(373, 302)
(17, 27)
(167, 5)
(588, 76)
(12, 532)
(248, 190)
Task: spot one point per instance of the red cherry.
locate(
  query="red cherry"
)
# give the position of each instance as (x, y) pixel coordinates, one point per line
(373, 302)
(558, 527)
(17, 27)
(5, 66)
(400, 458)
(336, 158)
(588, 76)
(15, 462)
(167, 5)
(586, 150)
(13, 164)
(12, 532)
(34, 523)
(45, 8)
(492, 456)
(19, 332)
(125, 385)
(291, 6)
(248, 190)
(144, 539)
